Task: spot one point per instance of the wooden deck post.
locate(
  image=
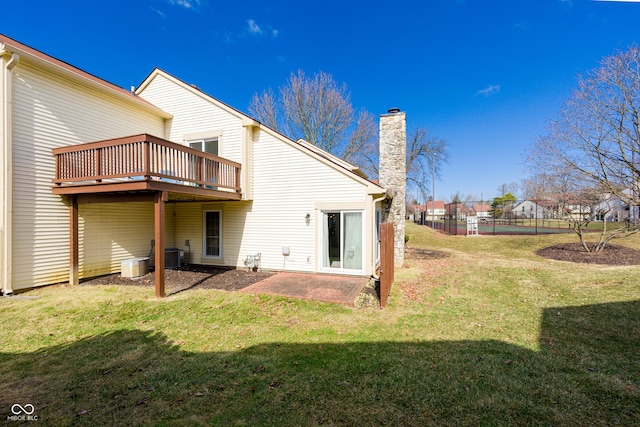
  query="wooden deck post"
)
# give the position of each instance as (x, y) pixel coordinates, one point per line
(160, 199)
(74, 251)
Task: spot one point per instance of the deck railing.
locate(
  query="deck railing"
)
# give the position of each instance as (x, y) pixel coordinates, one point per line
(143, 157)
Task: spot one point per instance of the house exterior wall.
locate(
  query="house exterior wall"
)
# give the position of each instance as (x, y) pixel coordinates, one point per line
(528, 209)
(194, 114)
(198, 116)
(282, 181)
(107, 237)
(287, 182)
(288, 185)
(435, 208)
(49, 112)
(611, 209)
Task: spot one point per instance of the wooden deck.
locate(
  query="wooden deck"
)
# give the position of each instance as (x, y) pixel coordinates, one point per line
(139, 168)
(144, 163)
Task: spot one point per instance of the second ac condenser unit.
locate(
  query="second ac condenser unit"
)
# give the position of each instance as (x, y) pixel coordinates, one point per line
(172, 258)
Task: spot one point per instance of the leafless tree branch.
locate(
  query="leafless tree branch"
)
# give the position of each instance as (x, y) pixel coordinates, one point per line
(595, 142)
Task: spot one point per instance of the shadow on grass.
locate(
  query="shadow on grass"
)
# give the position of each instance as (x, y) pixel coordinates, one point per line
(586, 372)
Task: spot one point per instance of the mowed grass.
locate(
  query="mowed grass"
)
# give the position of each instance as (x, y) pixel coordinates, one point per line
(490, 335)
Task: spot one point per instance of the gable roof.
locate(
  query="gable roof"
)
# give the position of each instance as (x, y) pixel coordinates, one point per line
(530, 203)
(193, 89)
(9, 46)
(310, 149)
(419, 208)
(437, 204)
(62, 68)
(481, 208)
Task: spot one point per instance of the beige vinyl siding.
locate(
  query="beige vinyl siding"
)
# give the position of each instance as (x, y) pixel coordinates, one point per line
(193, 113)
(190, 225)
(50, 112)
(113, 232)
(289, 184)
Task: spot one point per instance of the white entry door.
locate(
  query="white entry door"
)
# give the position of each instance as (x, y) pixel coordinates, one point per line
(342, 241)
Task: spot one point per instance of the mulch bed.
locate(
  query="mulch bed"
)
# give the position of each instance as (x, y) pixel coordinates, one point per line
(574, 252)
(189, 277)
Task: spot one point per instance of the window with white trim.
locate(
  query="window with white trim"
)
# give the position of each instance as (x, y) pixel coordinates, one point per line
(343, 240)
(212, 234)
(208, 145)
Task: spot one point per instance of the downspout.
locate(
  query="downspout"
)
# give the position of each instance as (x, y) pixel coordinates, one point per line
(6, 223)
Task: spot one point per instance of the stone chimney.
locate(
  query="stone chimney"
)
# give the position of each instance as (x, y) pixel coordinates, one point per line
(393, 174)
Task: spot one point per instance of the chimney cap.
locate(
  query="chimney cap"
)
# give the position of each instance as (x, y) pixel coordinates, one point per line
(393, 110)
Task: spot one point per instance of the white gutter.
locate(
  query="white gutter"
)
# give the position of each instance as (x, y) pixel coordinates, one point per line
(6, 170)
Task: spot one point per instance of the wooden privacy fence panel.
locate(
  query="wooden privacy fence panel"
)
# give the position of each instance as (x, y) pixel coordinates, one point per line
(386, 262)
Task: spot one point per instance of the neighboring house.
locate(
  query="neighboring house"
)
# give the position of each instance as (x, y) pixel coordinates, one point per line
(453, 211)
(435, 209)
(458, 211)
(466, 211)
(528, 209)
(610, 209)
(415, 211)
(482, 211)
(91, 174)
(575, 210)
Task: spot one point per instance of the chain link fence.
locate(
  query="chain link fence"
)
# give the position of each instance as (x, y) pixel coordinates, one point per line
(518, 217)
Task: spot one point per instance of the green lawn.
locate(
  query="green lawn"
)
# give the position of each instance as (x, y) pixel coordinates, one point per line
(490, 335)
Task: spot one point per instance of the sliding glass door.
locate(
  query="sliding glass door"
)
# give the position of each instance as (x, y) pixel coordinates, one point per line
(342, 241)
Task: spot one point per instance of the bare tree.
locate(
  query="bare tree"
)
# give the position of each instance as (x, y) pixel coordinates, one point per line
(595, 142)
(597, 135)
(509, 188)
(537, 187)
(593, 204)
(363, 139)
(577, 201)
(318, 110)
(425, 157)
(264, 107)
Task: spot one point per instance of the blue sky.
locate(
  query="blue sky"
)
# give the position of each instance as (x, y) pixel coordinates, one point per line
(485, 76)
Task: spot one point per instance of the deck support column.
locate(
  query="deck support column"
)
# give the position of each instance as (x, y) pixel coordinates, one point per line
(74, 251)
(160, 198)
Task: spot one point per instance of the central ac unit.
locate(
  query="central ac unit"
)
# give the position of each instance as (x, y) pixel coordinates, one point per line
(172, 258)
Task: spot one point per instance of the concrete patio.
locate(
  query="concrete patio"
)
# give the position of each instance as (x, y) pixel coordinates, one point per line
(319, 287)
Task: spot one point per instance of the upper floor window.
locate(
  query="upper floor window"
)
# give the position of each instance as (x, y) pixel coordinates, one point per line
(208, 145)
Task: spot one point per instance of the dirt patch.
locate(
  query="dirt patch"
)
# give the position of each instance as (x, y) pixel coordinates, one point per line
(433, 265)
(574, 252)
(189, 277)
(424, 254)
